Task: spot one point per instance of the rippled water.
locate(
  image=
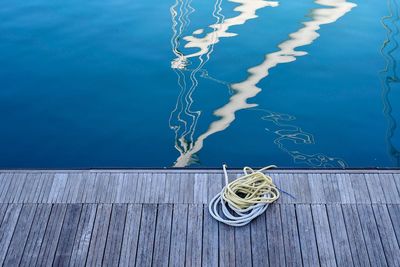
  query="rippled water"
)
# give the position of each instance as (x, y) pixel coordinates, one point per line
(123, 83)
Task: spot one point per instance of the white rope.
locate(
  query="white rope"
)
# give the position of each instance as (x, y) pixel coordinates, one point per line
(245, 198)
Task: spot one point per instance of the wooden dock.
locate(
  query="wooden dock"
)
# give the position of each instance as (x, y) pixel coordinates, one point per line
(160, 218)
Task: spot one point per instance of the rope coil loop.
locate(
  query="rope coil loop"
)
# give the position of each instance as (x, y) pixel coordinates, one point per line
(245, 198)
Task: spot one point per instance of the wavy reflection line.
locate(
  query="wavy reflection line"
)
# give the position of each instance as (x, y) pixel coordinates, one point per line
(248, 88)
(294, 134)
(389, 75)
(182, 119)
(247, 10)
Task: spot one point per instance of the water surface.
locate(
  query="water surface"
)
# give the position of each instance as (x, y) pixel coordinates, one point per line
(127, 83)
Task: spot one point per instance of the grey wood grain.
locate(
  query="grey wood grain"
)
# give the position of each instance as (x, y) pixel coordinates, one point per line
(275, 235)
(323, 236)
(45, 188)
(51, 235)
(36, 235)
(317, 188)
(371, 235)
(163, 235)
(115, 235)
(303, 192)
(194, 235)
(57, 188)
(90, 189)
(339, 236)
(356, 239)
(375, 188)
(131, 235)
(331, 188)
(391, 193)
(131, 188)
(17, 190)
(259, 243)
(21, 232)
(83, 235)
(210, 239)
(178, 235)
(146, 235)
(200, 188)
(3, 209)
(243, 246)
(7, 228)
(67, 235)
(227, 249)
(345, 188)
(214, 184)
(387, 235)
(99, 235)
(360, 188)
(6, 179)
(290, 236)
(308, 242)
(29, 188)
(394, 211)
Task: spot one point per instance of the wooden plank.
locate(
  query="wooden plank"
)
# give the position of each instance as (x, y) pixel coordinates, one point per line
(21, 232)
(323, 236)
(119, 191)
(36, 235)
(374, 188)
(101, 185)
(9, 194)
(183, 186)
(194, 235)
(29, 187)
(146, 235)
(90, 189)
(57, 188)
(69, 187)
(140, 188)
(20, 178)
(178, 235)
(394, 211)
(290, 235)
(345, 188)
(214, 185)
(163, 235)
(131, 235)
(339, 235)
(168, 186)
(99, 234)
(259, 243)
(331, 188)
(83, 235)
(356, 239)
(7, 228)
(67, 235)
(387, 235)
(210, 239)
(317, 188)
(3, 209)
(51, 236)
(308, 242)
(243, 246)
(200, 188)
(111, 192)
(391, 193)
(303, 191)
(131, 188)
(275, 236)
(371, 235)
(115, 235)
(76, 180)
(226, 245)
(45, 187)
(360, 188)
(5, 185)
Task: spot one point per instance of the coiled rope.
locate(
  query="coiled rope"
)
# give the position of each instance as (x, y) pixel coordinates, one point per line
(245, 198)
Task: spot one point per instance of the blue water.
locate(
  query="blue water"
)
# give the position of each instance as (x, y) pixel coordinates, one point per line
(124, 83)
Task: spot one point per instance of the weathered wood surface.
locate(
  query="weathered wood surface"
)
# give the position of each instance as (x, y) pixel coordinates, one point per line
(160, 218)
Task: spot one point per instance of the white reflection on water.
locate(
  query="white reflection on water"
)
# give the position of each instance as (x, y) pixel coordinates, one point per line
(332, 11)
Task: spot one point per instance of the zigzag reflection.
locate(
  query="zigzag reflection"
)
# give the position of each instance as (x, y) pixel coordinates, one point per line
(389, 74)
(248, 88)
